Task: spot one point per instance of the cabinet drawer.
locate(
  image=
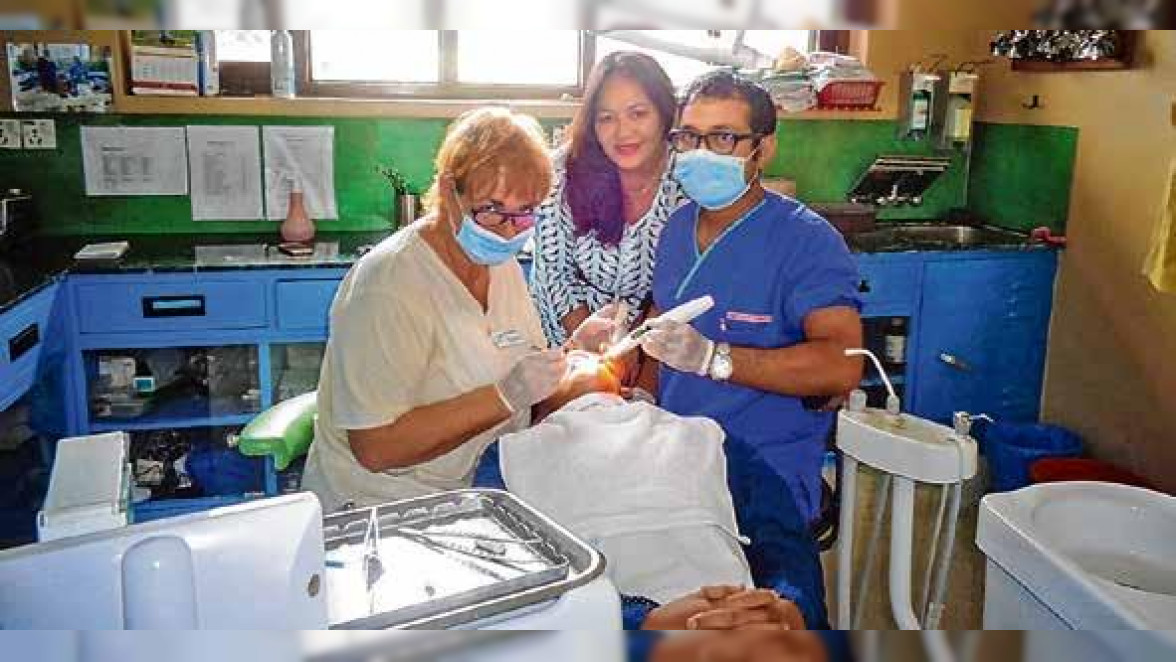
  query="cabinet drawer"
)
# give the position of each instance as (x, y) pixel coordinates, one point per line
(305, 305)
(892, 284)
(170, 305)
(22, 335)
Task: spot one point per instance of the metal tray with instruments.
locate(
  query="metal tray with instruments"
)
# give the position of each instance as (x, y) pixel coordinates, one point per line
(447, 560)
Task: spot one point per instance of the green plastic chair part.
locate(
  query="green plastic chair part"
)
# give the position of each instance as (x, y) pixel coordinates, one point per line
(284, 431)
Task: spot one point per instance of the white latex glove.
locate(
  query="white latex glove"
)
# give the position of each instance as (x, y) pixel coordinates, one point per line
(535, 377)
(678, 346)
(595, 332)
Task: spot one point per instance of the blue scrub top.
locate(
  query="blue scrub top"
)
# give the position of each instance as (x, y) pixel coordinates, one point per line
(766, 272)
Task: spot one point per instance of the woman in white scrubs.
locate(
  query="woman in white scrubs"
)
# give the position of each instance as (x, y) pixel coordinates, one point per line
(435, 348)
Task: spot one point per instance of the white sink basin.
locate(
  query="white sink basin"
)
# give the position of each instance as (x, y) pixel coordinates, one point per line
(1096, 555)
(1125, 537)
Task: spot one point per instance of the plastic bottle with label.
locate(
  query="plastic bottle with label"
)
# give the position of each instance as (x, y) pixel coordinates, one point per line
(282, 64)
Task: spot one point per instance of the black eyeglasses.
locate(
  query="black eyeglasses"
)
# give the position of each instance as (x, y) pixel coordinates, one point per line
(492, 218)
(719, 142)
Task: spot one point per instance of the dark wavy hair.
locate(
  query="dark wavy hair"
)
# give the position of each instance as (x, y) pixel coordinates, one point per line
(593, 186)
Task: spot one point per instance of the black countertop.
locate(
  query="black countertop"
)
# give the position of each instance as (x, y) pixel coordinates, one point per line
(27, 267)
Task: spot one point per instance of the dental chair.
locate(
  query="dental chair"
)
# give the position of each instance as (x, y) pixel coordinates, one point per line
(783, 555)
(779, 556)
(280, 435)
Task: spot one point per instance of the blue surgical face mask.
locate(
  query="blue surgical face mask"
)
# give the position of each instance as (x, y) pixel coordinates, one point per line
(487, 248)
(712, 180)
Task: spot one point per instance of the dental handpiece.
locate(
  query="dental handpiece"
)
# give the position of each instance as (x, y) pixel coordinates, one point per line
(621, 318)
(684, 314)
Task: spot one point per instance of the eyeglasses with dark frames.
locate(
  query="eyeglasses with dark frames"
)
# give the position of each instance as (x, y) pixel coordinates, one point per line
(719, 142)
(492, 218)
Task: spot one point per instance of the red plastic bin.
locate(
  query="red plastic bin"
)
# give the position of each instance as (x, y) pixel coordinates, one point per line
(850, 95)
(1056, 470)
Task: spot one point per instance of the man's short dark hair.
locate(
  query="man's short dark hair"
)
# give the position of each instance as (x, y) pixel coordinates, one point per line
(724, 84)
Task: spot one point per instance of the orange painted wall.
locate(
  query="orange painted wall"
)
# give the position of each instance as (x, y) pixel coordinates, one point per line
(1111, 372)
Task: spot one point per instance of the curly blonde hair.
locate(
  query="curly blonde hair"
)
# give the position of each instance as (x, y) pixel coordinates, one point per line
(490, 146)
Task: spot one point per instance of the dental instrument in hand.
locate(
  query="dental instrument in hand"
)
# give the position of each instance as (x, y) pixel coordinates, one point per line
(684, 314)
(622, 315)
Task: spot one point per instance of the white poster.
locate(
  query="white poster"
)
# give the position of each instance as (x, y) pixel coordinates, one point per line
(225, 162)
(134, 161)
(302, 155)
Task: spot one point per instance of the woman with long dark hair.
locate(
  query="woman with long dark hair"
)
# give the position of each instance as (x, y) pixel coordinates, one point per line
(597, 232)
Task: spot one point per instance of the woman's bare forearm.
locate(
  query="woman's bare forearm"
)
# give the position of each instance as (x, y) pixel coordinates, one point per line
(429, 431)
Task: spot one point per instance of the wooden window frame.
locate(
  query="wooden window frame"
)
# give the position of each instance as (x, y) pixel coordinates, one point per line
(447, 87)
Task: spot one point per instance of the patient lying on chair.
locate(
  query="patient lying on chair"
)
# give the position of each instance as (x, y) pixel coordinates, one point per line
(646, 487)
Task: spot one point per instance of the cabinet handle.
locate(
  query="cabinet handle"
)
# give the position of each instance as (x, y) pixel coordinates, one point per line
(864, 287)
(24, 342)
(174, 306)
(955, 362)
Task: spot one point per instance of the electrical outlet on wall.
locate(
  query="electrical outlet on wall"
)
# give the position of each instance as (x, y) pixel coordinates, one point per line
(9, 134)
(39, 134)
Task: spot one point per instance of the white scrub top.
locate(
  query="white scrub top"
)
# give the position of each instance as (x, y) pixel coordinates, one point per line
(406, 333)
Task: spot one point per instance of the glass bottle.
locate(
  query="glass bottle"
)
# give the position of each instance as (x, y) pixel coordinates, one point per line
(895, 338)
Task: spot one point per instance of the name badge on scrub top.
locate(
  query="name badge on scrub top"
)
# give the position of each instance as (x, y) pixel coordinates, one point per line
(507, 339)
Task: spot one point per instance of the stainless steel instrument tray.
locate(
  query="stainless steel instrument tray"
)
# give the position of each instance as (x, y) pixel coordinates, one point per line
(446, 560)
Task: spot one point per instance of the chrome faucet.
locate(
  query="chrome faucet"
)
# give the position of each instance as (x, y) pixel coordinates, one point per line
(962, 422)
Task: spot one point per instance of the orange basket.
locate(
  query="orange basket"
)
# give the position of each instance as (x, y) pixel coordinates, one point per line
(850, 95)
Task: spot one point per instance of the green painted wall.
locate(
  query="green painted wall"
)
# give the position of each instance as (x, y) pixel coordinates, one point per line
(825, 158)
(1021, 175)
(364, 200)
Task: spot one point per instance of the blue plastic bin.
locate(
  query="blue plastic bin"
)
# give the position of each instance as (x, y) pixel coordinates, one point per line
(225, 472)
(1012, 447)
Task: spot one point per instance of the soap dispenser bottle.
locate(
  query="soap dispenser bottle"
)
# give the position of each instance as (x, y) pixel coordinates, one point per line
(957, 121)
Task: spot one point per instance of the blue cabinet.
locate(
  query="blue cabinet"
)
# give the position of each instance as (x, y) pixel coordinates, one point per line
(22, 338)
(248, 329)
(983, 328)
(221, 346)
(890, 284)
(304, 305)
(170, 302)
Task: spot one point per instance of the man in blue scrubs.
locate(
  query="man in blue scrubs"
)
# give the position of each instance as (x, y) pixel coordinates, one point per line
(786, 308)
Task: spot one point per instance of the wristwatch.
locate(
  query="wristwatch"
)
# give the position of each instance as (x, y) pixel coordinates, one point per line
(721, 366)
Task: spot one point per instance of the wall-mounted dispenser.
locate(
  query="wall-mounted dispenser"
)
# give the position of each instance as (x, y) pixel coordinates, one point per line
(954, 114)
(958, 106)
(917, 93)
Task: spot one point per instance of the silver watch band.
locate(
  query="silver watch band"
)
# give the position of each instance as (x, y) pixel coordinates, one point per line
(720, 368)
